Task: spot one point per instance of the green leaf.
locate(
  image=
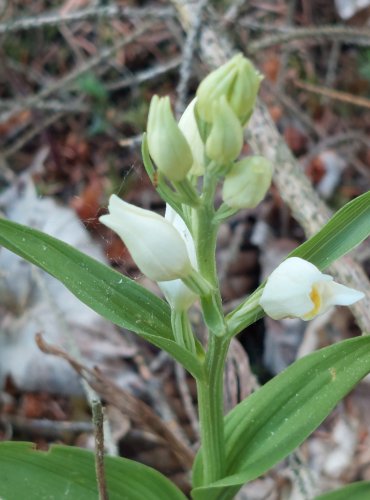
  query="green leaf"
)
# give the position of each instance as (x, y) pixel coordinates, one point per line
(268, 425)
(109, 293)
(354, 491)
(344, 231)
(66, 472)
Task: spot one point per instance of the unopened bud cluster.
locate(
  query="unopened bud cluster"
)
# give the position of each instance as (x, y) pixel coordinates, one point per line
(207, 141)
(209, 135)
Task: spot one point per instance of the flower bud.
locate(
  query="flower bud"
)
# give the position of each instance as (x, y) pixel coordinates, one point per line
(297, 289)
(178, 295)
(155, 245)
(189, 128)
(167, 144)
(225, 140)
(246, 184)
(238, 81)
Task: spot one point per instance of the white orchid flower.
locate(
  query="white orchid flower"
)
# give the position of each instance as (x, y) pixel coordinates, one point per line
(155, 245)
(297, 289)
(178, 295)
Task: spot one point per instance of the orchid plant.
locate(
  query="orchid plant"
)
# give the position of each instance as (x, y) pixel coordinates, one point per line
(189, 163)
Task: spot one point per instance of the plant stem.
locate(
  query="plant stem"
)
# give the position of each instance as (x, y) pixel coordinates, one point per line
(210, 386)
(211, 415)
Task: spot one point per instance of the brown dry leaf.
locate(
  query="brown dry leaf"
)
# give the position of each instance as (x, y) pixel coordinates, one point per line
(271, 67)
(88, 203)
(17, 120)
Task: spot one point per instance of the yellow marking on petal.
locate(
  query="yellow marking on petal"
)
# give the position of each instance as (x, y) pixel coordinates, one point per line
(316, 299)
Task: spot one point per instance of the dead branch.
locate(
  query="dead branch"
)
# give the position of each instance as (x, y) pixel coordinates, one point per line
(106, 12)
(360, 36)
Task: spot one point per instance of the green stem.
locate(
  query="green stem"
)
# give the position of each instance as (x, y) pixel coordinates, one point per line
(210, 386)
(205, 232)
(211, 415)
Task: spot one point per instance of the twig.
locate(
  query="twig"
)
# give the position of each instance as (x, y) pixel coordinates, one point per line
(6, 172)
(187, 57)
(338, 95)
(144, 76)
(131, 142)
(332, 63)
(252, 24)
(233, 11)
(107, 12)
(286, 51)
(98, 419)
(135, 409)
(48, 428)
(334, 142)
(67, 80)
(292, 106)
(50, 105)
(360, 36)
(30, 134)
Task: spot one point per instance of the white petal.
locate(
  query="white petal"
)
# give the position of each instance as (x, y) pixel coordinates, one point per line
(287, 290)
(298, 289)
(189, 128)
(178, 295)
(156, 246)
(178, 223)
(332, 294)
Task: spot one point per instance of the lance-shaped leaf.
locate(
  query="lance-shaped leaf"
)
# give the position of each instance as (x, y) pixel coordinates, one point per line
(109, 293)
(272, 422)
(66, 472)
(344, 231)
(354, 491)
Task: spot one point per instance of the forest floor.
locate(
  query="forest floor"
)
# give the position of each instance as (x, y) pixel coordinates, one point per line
(75, 87)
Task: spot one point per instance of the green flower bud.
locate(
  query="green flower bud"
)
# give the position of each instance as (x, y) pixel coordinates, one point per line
(167, 144)
(238, 81)
(225, 140)
(247, 183)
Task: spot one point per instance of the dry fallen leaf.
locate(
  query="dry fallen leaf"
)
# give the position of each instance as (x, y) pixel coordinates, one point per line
(32, 301)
